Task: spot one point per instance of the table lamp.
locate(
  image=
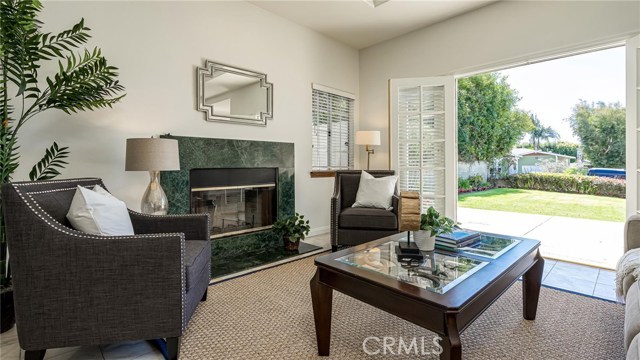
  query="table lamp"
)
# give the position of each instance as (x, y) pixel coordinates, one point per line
(368, 138)
(153, 155)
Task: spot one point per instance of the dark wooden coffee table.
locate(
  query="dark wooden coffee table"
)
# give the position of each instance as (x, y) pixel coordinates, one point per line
(470, 285)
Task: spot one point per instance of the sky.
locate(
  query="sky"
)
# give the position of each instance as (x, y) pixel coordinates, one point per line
(552, 88)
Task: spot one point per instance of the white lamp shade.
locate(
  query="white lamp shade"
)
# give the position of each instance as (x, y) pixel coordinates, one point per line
(367, 137)
(152, 154)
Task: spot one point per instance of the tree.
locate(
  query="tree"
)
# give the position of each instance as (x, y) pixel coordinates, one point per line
(601, 130)
(525, 145)
(489, 123)
(540, 132)
(561, 147)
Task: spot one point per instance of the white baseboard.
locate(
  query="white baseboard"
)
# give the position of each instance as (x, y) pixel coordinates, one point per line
(319, 231)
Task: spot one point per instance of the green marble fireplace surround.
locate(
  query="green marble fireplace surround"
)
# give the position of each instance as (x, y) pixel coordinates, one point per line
(240, 252)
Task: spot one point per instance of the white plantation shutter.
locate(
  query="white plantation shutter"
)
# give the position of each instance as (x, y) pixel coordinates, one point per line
(332, 129)
(422, 142)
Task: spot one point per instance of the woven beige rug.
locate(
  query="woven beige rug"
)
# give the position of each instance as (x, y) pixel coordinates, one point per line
(268, 315)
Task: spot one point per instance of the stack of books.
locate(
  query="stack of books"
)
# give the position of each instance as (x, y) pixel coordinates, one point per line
(457, 239)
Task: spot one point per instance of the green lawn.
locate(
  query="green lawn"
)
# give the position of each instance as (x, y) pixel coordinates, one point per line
(546, 203)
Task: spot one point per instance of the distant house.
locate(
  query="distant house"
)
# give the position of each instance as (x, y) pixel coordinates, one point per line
(528, 160)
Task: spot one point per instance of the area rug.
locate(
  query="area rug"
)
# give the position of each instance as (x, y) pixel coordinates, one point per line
(268, 315)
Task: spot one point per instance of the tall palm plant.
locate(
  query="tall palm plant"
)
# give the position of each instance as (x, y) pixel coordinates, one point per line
(540, 132)
(83, 81)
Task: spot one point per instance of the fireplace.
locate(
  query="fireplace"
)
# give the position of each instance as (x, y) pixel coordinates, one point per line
(238, 200)
(209, 163)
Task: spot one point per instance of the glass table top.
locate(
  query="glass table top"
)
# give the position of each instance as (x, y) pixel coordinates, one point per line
(437, 272)
(488, 246)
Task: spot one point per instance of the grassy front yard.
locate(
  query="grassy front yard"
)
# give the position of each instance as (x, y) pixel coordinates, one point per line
(546, 203)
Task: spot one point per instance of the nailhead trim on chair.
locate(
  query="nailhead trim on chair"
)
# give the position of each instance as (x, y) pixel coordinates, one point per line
(209, 235)
(129, 210)
(49, 220)
(183, 281)
(55, 181)
(52, 191)
(35, 207)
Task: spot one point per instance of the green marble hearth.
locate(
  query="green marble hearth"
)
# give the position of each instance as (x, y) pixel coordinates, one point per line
(235, 253)
(246, 255)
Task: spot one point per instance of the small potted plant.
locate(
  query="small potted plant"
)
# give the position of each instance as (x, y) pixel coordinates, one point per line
(292, 229)
(432, 224)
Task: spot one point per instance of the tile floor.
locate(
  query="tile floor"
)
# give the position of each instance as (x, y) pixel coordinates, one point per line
(579, 279)
(139, 350)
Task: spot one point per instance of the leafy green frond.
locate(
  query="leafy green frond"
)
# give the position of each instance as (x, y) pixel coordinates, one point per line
(54, 45)
(20, 41)
(47, 167)
(87, 82)
(8, 153)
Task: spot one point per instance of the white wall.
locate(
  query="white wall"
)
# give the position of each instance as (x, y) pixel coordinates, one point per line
(466, 170)
(498, 34)
(157, 46)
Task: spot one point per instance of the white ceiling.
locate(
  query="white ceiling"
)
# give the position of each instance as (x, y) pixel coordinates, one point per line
(358, 24)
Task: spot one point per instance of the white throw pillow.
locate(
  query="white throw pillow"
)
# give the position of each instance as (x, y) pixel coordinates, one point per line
(98, 212)
(375, 192)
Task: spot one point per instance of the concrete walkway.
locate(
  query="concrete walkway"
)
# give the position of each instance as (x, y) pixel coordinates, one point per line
(589, 242)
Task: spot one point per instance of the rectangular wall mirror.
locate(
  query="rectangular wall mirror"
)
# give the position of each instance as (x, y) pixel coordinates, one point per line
(230, 94)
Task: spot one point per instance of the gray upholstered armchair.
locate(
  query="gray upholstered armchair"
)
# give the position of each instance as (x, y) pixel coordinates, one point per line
(72, 288)
(353, 226)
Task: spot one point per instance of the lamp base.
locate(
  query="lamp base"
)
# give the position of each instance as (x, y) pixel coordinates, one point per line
(410, 248)
(154, 201)
(407, 256)
(408, 251)
(369, 152)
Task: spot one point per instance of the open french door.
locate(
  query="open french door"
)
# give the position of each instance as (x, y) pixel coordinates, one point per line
(633, 125)
(422, 138)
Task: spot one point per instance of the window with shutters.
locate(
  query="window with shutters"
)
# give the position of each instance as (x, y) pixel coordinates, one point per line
(332, 129)
(422, 139)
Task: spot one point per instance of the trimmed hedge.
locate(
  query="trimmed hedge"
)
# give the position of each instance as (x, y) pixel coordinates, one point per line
(564, 183)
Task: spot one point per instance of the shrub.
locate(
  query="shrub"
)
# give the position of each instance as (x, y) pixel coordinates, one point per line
(573, 170)
(566, 183)
(475, 181)
(464, 184)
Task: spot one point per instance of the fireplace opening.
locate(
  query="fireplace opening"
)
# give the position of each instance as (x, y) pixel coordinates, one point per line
(238, 200)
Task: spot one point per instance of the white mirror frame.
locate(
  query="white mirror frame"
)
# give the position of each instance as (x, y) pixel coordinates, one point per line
(208, 70)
